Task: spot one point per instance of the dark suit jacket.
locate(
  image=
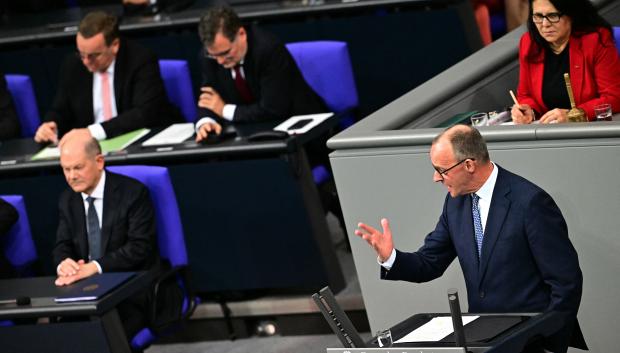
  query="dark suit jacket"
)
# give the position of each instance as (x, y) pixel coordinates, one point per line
(9, 123)
(276, 83)
(8, 217)
(528, 263)
(141, 99)
(594, 73)
(128, 227)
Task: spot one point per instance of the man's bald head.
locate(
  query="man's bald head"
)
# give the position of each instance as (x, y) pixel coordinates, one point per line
(466, 142)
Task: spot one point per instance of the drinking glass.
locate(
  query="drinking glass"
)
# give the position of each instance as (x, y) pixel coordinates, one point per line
(603, 112)
(479, 119)
(384, 338)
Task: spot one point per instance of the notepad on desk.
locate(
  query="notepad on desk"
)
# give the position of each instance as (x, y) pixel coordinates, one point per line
(434, 330)
(172, 135)
(92, 288)
(300, 124)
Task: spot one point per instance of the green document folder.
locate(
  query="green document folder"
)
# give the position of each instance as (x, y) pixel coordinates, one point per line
(110, 145)
(122, 141)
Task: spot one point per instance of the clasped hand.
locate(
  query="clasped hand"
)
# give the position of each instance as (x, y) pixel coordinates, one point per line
(210, 99)
(71, 271)
(381, 242)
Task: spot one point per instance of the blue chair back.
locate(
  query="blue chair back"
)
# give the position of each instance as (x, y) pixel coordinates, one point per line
(326, 66)
(178, 83)
(170, 237)
(617, 37)
(25, 103)
(18, 245)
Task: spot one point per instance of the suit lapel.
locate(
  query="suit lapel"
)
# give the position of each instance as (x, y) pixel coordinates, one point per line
(77, 209)
(110, 199)
(500, 204)
(576, 67)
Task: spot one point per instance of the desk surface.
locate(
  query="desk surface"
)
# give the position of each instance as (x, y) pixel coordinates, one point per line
(15, 154)
(42, 291)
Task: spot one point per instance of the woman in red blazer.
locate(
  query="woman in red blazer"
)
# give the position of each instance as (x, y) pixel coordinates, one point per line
(565, 36)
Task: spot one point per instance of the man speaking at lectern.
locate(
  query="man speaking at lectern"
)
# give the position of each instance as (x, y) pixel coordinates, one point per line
(508, 234)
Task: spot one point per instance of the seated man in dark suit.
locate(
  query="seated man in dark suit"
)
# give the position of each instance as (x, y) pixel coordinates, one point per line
(508, 234)
(9, 124)
(110, 87)
(248, 75)
(106, 224)
(8, 217)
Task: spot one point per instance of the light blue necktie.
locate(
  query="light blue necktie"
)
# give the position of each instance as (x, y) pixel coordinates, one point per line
(93, 230)
(475, 212)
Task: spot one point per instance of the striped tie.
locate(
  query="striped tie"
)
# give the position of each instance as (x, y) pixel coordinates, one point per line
(475, 212)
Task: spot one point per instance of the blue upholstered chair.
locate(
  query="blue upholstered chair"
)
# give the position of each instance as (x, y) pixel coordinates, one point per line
(178, 83)
(326, 67)
(617, 37)
(18, 245)
(170, 239)
(25, 103)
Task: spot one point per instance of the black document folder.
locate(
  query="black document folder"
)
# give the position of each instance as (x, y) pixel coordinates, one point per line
(92, 288)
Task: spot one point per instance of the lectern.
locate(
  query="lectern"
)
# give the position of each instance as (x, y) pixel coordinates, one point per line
(490, 333)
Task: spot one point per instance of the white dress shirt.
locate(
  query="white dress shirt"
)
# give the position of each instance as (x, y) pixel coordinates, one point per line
(228, 112)
(485, 193)
(96, 130)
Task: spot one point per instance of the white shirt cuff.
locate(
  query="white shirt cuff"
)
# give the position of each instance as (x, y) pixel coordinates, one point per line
(98, 266)
(203, 121)
(97, 131)
(228, 112)
(389, 262)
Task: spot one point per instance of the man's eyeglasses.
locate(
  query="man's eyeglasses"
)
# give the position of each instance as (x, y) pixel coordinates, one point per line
(553, 17)
(443, 172)
(91, 56)
(222, 54)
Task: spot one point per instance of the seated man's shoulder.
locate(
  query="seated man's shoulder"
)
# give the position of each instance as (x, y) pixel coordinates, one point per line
(129, 184)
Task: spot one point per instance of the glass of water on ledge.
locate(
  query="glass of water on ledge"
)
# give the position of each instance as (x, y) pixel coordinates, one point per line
(384, 338)
(603, 112)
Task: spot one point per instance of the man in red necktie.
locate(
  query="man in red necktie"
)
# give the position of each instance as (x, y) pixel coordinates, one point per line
(248, 75)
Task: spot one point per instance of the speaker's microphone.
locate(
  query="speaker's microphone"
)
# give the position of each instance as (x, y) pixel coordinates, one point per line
(19, 301)
(457, 321)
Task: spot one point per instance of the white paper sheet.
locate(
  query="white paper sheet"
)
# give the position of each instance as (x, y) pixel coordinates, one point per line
(434, 330)
(172, 135)
(316, 119)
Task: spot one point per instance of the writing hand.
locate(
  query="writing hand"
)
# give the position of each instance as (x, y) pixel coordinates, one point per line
(522, 114)
(47, 132)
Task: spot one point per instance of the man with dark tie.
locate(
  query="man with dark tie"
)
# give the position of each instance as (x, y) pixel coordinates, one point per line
(109, 87)
(248, 75)
(106, 224)
(508, 234)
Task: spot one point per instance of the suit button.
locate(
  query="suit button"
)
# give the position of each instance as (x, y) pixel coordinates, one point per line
(481, 294)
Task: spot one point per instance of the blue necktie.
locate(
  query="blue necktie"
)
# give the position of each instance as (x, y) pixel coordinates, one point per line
(475, 212)
(93, 230)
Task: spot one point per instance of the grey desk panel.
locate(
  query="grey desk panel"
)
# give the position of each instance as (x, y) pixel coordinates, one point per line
(396, 182)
